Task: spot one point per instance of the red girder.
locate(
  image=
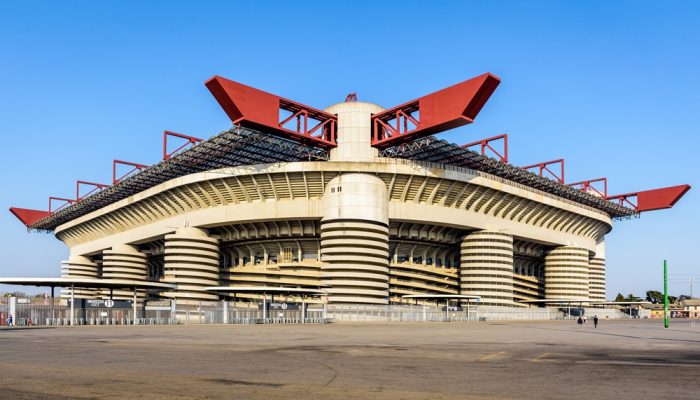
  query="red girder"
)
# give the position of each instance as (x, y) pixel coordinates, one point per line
(650, 200)
(135, 167)
(588, 187)
(28, 216)
(256, 109)
(445, 109)
(166, 134)
(485, 144)
(544, 166)
(96, 187)
(66, 202)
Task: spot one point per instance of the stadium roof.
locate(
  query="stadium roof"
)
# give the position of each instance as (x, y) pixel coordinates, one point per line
(240, 146)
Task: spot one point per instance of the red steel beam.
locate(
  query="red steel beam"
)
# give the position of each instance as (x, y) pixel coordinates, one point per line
(445, 109)
(27, 216)
(485, 144)
(96, 187)
(66, 202)
(588, 186)
(190, 140)
(544, 166)
(651, 200)
(135, 167)
(250, 107)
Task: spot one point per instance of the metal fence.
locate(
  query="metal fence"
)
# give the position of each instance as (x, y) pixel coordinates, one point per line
(42, 311)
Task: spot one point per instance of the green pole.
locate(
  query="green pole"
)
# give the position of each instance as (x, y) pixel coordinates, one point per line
(665, 294)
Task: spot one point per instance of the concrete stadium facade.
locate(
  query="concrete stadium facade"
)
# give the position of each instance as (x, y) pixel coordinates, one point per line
(367, 229)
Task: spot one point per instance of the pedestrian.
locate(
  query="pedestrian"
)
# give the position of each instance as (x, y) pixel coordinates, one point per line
(595, 321)
(585, 319)
(580, 321)
(9, 320)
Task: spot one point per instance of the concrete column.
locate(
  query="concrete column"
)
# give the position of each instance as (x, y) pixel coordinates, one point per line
(355, 240)
(487, 267)
(124, 262)
(192, 263)
(79, 267)
(566, 273)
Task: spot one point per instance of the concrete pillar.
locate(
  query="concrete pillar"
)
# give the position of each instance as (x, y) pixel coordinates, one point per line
(79, 267)
(566, 273)
(124, 262)
(355, 240)
(192, 263)
(487, 267)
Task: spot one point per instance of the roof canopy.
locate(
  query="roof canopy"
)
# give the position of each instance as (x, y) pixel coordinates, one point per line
(87, 283)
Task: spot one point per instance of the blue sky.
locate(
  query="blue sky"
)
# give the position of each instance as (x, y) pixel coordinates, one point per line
(612, 88)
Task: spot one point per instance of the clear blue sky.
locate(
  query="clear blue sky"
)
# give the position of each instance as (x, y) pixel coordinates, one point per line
(612, 88)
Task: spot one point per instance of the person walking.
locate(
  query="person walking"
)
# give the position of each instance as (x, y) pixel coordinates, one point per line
(9, 320)
(579, 321)
(595, 321)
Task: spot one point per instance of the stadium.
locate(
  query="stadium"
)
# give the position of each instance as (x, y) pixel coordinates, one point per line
(356, 200)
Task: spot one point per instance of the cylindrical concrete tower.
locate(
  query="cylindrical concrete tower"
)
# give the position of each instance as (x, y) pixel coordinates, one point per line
(192, 263)
(566, 273)
(355, 240)
(79, 267)
(354, 131)
(355, 224)
(124, 262)
(486, 267)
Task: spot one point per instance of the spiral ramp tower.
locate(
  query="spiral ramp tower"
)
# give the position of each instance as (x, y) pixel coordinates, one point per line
(487, 267)
(127, 263)
(191, 262)
(566, 273)
(79, 267)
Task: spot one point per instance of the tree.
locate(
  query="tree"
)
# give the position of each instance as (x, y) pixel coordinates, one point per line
(654, 296)
(619, 297)
(631, 297)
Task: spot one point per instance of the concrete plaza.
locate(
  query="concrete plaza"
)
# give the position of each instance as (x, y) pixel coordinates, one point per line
(485, 360)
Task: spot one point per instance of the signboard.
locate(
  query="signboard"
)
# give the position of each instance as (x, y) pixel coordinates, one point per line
(453, 308)
(277, 306)
(90, 303)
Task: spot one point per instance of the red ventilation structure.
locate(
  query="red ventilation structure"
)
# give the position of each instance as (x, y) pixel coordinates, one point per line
(650, 200)
(544, 166)
(190, 140)
(445, 109)
(134, 168)
(27, 216)
(589, 186)
(485, 144)
(95, 187)
(253, 108)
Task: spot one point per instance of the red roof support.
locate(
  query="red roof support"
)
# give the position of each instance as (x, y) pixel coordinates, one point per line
(589, 187)
(446, 109)
(27, 216)
(650, 200)
(485, 144)
(96, 187)
(256, 109)
(135, 167)
(190, 140)
(66, 202)
(544, 166)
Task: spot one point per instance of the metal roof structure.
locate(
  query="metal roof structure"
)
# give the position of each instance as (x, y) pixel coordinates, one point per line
(442, 152)
(240, 146)
(264, 134)
(235, 147)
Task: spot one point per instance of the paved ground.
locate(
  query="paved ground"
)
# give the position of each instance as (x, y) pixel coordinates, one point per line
(485, 360)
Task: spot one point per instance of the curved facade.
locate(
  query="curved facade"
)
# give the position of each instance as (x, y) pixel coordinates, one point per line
(365, 227)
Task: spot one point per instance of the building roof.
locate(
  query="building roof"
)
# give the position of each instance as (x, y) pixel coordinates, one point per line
(690, 302)
(243, 146)
(91, 283)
